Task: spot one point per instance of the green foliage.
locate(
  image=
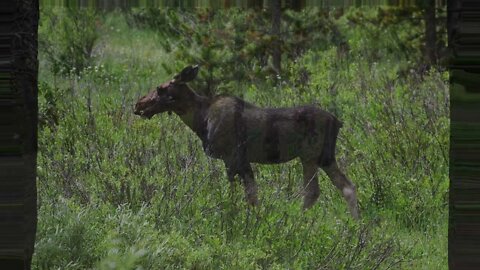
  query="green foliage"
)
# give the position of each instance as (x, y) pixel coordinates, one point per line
(225, 43)
(67, 38)
(50, 110)
(234, 46)
(67, 237)
(396, 33)
(118, 192)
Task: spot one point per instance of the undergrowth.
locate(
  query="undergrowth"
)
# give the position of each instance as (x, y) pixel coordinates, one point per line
(119, 192)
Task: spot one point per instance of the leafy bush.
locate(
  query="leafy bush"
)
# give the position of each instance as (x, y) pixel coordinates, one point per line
(50, 111)
(234, 46)
(70, 49)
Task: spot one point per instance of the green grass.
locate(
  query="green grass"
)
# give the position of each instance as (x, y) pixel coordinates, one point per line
(119, 192)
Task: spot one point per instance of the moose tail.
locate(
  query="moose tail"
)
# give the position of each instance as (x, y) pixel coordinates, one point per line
(332, 127)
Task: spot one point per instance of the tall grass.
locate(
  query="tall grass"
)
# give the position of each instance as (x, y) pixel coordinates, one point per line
(118, 192)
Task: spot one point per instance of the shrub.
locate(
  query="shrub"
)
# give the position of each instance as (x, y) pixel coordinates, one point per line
(70, 49)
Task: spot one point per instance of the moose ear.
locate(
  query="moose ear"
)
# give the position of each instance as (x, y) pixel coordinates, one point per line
(187, 74)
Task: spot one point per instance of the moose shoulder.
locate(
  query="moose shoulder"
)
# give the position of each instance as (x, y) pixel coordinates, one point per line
(240, 133)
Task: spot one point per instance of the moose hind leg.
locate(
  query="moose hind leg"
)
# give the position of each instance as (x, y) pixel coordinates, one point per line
(248, 181)
(310, 184)
(345, 186)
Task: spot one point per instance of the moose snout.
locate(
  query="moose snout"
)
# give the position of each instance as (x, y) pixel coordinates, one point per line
(142, 112)
(137, 111)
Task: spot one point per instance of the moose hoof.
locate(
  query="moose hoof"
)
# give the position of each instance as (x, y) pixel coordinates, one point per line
(309, 201)
(355, 214)
(253, 201)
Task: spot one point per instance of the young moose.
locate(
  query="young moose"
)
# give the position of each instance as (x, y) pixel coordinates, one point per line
(240, 133)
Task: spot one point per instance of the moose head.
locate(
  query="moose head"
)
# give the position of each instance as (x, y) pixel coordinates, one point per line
(171, 96)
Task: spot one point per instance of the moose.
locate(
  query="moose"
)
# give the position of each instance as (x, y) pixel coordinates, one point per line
(240, 133)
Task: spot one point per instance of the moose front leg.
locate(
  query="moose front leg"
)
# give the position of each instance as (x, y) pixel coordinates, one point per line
(231, 172)
(248, 180)
(310, 184)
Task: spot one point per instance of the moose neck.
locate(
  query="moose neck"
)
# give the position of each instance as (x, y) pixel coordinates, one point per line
(193, 114)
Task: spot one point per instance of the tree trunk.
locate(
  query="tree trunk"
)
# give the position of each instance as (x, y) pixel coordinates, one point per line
(430, 33)
(275, 6)
(19, 114)
(296, 5)
(255, 4)
(464, 193)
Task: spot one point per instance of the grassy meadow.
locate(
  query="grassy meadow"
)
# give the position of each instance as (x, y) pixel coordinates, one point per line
(119, 192)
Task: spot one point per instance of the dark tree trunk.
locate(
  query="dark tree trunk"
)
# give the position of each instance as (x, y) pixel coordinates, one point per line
(296, 5)
(18, 128)
(275, 6)
(464, 194)
(255, 4)
(430, 32)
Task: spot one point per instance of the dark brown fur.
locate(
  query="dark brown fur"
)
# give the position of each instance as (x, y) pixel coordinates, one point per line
(240, 133)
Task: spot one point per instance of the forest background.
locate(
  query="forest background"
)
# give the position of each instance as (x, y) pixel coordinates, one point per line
(119, 192)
